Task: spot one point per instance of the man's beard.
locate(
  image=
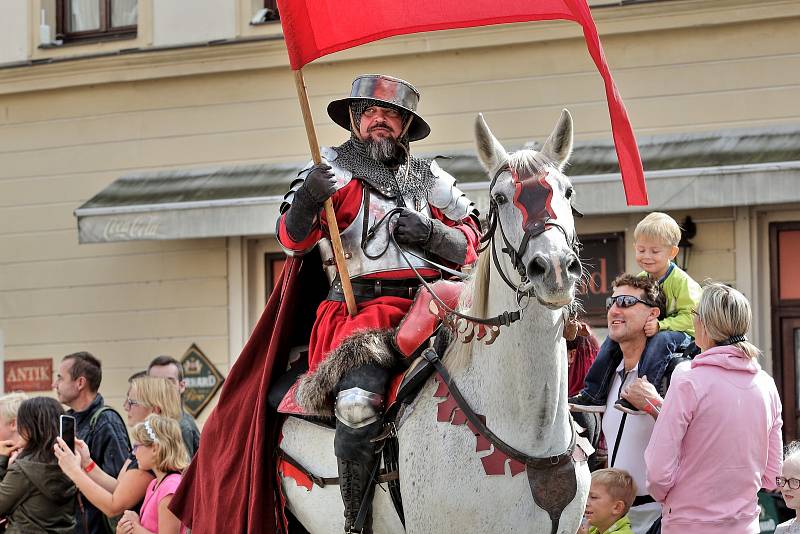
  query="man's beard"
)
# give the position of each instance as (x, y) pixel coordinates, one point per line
(384, 149)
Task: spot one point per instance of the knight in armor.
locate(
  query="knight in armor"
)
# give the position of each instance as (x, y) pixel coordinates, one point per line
(397, 214)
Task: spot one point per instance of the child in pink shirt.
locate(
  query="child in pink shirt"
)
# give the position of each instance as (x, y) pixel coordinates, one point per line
(159, 447)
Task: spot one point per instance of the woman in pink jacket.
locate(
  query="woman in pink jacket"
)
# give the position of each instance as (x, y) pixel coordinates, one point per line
(717, 439)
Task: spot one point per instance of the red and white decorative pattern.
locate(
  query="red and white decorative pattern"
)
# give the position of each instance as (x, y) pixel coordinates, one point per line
(493, 463)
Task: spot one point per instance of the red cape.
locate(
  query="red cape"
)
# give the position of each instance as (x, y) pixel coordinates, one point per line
(231, 484)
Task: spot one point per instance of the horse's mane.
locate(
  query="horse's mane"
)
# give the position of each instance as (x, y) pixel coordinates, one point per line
(475, 297)
(529, 161)
(474, 300)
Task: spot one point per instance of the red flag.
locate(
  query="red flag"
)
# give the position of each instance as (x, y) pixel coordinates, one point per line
(314, 28)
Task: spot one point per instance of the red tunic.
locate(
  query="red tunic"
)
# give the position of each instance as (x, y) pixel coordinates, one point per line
(333, 324)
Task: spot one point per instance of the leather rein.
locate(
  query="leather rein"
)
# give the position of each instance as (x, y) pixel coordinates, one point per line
(488, 239)
(433, 358)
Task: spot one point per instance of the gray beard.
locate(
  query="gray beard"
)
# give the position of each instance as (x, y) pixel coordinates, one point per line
(383, 149)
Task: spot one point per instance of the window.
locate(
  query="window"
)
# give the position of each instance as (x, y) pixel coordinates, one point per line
(272, 10)
(88, 20)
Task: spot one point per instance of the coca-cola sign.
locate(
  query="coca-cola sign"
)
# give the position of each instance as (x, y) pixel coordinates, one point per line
(125, 229)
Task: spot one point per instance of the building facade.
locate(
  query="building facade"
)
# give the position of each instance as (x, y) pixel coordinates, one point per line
(145, 146)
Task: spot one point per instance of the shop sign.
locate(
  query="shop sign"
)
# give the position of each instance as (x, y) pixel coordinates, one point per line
(603, 258)
(203, 380)
(28, 375)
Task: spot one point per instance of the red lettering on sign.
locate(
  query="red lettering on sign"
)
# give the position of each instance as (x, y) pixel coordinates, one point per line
(598, 280)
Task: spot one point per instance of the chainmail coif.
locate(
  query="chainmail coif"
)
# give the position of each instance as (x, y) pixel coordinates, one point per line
(353, 156)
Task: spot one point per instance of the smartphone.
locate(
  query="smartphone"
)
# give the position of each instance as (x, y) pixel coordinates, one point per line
(66, 429)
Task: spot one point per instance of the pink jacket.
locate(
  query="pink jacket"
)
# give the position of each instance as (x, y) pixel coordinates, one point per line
(715, 443)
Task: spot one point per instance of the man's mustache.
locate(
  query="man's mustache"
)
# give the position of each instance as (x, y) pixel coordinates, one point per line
(382, 126)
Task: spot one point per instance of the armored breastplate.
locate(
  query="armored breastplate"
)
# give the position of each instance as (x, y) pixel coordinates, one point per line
(378, 253)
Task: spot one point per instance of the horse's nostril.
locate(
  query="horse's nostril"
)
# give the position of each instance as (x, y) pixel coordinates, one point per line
(574, 266)
(537, 267)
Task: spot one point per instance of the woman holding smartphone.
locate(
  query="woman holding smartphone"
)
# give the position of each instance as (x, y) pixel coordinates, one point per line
(35, 495)
(112, 496)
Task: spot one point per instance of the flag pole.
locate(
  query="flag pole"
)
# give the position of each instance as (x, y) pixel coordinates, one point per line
(330, 214)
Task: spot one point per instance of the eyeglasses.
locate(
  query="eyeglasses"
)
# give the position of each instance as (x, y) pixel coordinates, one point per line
(793, 483)
(626, 301)
(129, 403)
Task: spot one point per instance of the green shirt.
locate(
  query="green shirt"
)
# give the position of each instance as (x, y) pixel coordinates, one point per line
(621, 526)
(682, 294)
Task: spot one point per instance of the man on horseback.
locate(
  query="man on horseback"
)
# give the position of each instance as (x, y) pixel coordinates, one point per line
(401, 218)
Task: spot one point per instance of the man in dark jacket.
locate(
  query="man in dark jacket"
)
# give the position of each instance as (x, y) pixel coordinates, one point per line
(101, 427)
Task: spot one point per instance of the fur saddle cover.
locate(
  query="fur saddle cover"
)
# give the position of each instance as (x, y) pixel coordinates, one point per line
(316, 391)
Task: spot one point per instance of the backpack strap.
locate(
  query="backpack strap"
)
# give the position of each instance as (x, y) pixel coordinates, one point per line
(96, 416)
(93, 422)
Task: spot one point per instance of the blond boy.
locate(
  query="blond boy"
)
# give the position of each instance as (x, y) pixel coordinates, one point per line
(656, 241)
(610, 497)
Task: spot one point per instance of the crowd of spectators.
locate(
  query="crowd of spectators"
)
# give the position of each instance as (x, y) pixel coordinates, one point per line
(696, 426)
(687, 447)
(102, 483)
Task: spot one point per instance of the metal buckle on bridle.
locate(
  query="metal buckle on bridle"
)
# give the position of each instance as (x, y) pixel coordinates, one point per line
(523, 295)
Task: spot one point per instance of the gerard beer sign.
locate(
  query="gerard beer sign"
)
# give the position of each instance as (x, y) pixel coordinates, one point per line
(27, 375)
(203, 380)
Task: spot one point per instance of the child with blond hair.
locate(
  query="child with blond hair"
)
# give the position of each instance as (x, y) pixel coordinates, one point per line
(159, 447)
(789, 486)
(9, 406)
(656, 239)
(610, 497)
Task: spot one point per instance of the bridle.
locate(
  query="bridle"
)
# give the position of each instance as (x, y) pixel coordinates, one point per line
(534, 224)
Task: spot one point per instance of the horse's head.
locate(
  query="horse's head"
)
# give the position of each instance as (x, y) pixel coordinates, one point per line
(531, 211)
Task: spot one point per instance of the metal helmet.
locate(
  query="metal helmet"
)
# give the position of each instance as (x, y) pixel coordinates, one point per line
(392, 91)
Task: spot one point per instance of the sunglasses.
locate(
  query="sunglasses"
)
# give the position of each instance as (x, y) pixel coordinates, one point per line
(793, 483)
(626, 301)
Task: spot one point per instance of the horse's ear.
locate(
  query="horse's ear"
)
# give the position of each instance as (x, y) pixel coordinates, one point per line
(490, 152)
(558, 146)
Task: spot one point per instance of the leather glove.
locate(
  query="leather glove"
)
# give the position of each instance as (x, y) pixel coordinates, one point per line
(412, 228)
(320, 184)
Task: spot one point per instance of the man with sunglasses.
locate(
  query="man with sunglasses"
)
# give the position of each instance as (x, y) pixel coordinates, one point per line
(634, 301)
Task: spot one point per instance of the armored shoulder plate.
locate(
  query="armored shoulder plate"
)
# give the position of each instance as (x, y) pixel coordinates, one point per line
(447, 197)
(328, 156)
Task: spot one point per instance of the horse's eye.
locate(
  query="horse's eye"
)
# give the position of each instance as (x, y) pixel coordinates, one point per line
(500, 198)
(568, 193)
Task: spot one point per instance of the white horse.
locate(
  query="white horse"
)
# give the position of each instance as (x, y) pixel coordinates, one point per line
(518, 383)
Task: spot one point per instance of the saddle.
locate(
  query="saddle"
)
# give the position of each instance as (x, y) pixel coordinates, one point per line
(408, 340)
(411, 337)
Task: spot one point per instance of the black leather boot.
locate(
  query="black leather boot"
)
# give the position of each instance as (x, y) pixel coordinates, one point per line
(354, 482)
